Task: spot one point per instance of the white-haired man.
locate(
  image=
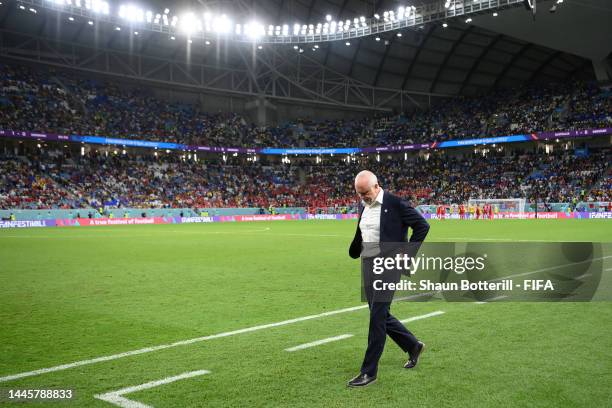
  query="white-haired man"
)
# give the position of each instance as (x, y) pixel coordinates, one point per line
(383, 218)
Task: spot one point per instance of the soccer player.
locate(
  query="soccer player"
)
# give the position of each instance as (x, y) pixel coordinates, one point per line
(462, 212)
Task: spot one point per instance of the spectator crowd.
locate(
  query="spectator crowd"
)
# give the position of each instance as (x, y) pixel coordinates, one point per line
(52, 179)
(52, 101)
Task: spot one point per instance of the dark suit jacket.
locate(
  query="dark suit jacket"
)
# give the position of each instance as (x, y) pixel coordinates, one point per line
(396, 216)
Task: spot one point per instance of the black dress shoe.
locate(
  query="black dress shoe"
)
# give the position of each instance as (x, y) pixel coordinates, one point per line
(361, 381)
(414, 355)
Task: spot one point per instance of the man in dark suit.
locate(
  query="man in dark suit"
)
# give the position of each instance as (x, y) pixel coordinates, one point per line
(383, 218)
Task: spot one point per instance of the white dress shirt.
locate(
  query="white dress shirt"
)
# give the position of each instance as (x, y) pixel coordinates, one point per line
(370, 225)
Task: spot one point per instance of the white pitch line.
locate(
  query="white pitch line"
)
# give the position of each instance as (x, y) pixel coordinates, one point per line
(425, 316)
(188, 232)
(116, 397)
(550, 268)
(178, 343)
(319, 342)
(120, 234)
(492, 239)
(232, 333)
(493, 299)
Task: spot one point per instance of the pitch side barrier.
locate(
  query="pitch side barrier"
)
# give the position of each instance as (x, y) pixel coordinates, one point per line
(93, 222)
(528, 215)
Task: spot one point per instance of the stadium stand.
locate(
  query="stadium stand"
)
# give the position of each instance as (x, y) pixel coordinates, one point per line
(58, 180)
(47, 100)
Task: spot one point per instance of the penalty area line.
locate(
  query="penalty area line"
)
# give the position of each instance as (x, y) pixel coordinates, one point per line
(185, 342)
(178, 343)
(244, 330)
(318, 342)
(346, 336)
(493, 299)
(117, 397)
(425, 316)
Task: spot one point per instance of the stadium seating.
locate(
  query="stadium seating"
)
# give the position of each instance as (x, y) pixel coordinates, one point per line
(55, 180)
(46, 100)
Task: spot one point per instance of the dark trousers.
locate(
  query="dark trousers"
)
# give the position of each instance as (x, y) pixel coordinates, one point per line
(382, 323)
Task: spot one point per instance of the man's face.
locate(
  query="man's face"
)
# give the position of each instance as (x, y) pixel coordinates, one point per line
(366, 192)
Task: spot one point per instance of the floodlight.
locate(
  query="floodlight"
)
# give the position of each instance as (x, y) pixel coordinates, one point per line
(222, 24)
(100, 6)
(131, 13)
(190, 24)
(254, 30)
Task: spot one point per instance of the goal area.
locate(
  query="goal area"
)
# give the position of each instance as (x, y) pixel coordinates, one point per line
(502, 204)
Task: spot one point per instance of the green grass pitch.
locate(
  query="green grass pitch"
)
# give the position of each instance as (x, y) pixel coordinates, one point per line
(74, 294)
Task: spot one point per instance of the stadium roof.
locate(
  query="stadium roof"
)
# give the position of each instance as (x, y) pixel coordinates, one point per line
(428, 60)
